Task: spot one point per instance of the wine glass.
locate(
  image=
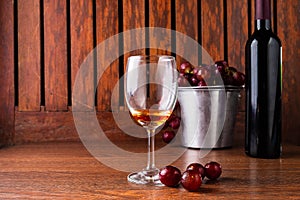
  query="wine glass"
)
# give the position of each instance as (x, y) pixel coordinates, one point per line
(151, 95)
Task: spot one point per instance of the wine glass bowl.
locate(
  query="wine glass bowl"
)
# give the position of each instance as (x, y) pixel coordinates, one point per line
(151, 95)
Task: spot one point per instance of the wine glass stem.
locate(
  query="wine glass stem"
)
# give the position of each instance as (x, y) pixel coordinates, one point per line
(151, 150)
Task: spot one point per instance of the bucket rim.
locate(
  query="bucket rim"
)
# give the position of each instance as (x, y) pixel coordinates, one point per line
(209, 88)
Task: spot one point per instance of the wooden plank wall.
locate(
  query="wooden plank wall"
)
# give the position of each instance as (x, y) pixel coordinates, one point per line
(44, 42)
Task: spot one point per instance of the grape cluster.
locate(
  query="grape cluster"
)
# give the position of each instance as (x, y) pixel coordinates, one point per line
(210, 75)
(192, 178)
(204, 75)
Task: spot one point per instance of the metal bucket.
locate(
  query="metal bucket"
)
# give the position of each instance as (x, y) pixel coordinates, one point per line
(208, 115)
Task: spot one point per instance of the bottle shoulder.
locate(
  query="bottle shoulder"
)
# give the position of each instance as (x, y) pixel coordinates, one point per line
(264, 36)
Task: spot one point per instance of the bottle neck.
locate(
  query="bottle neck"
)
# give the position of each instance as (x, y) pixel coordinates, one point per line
(262, 15)
(262, 9)
(263, 24)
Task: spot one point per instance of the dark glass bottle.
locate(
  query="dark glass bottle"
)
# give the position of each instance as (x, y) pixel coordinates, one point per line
(263, 87)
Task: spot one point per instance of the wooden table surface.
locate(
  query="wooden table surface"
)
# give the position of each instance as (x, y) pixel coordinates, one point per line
(66, 170)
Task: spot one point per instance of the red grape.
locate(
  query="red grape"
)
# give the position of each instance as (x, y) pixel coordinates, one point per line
(239, 78)
(191, 180)
(194, 80)
(198, 167)
(171, 117)
(185, 68)
(202, 83)
(222, 66)
(174, 123)
(195, 70)
(231, 70)
(182, 80)
(222, 62)
(199, 76)
(170, 176)
(228, 79)
(213, 170)
(168, 136)
(203, 73)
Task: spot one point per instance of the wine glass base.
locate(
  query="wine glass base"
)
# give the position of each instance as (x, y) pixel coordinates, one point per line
(141, 179)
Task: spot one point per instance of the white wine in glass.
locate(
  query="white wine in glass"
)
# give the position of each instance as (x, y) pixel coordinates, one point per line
(151, 94)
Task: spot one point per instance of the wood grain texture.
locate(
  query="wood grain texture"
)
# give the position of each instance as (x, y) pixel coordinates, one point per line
(59, 126)
(187, 23)
(67, 171)
(29, 50)
(252, 16)
(160, 16)
(107, 26)
(55, 52)
(7, 97)
(289, 33)
(36, 127)
(29, 55)
(81, 21)
(237, 27)
(133, 18)
(31, 127)
(212, 17)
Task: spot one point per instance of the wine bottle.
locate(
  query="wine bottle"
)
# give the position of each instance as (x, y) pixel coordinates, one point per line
(263, 87)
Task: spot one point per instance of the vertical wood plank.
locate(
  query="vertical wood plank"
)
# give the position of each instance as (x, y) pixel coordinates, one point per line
(237, 32)
(160, 16)
(7, 99)
(288, 21)
(252, 12)
(107, 26)
(212, 13)
(187, 23)
(133, 17)
(273, 14)
(29, 55)
(55, 46)
(81, 27)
